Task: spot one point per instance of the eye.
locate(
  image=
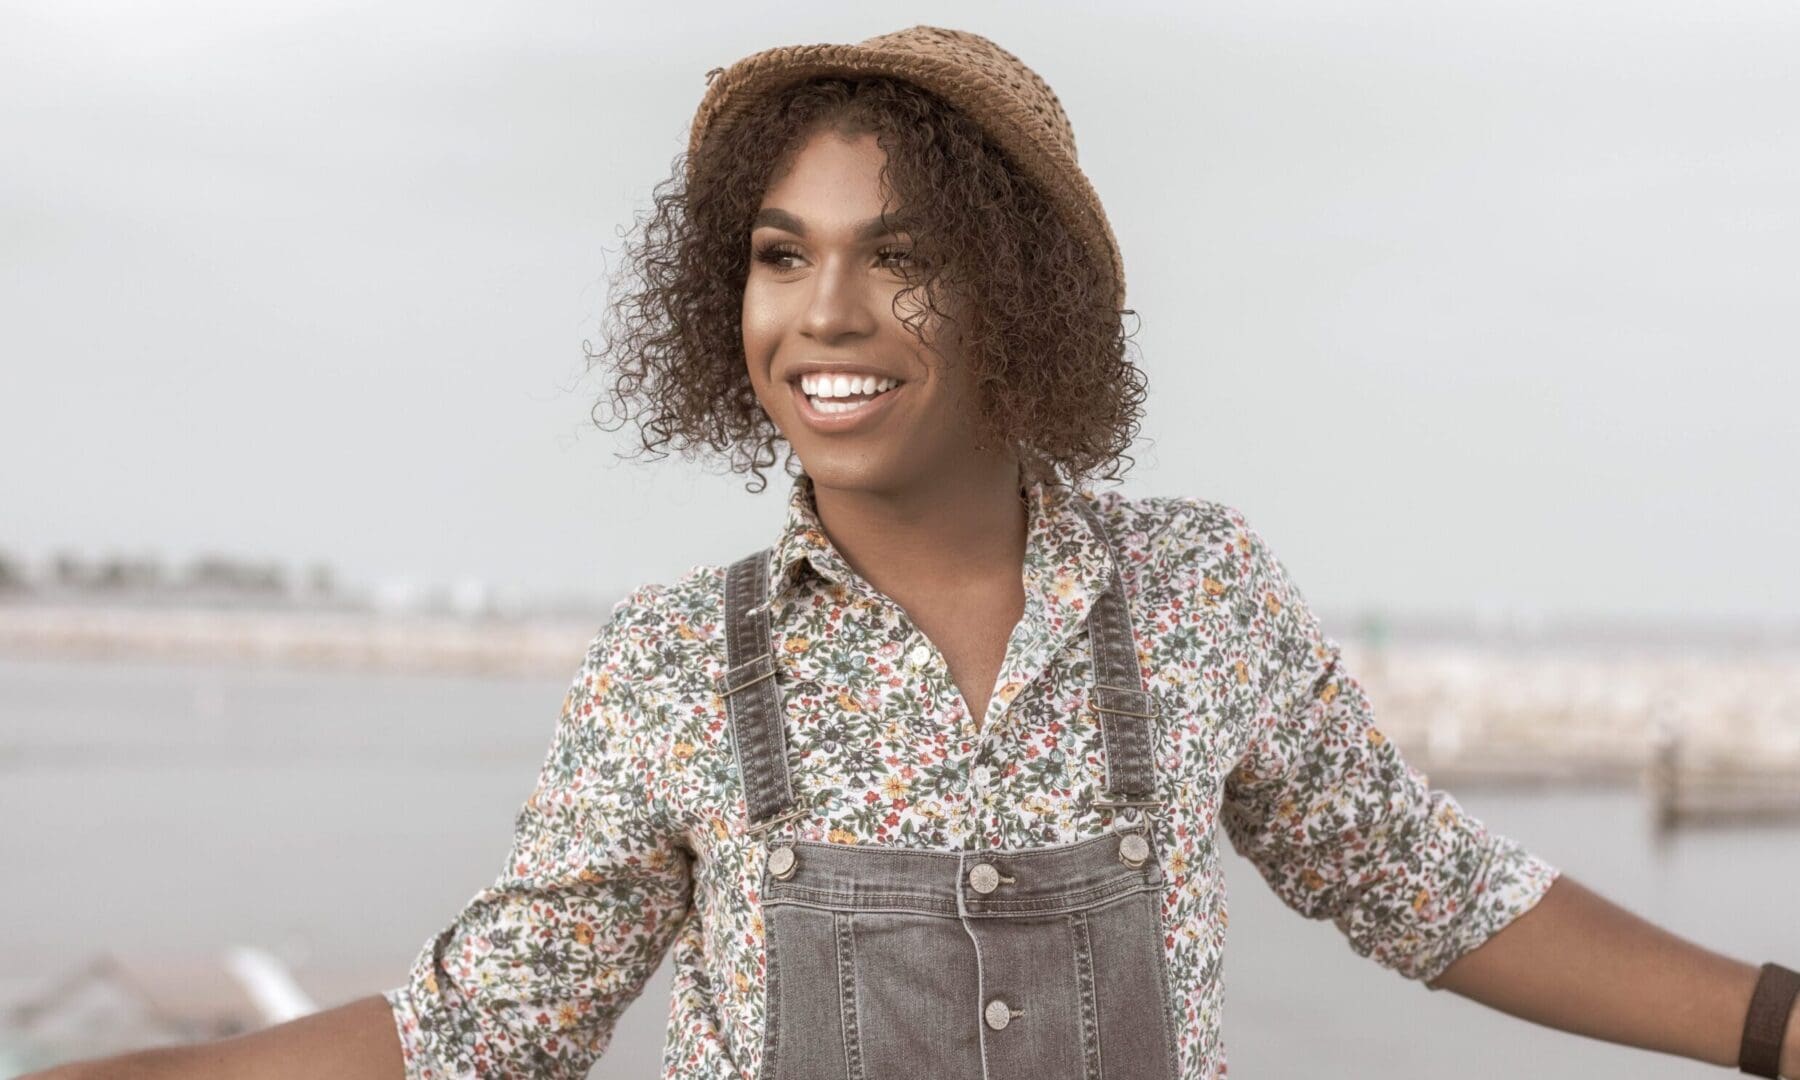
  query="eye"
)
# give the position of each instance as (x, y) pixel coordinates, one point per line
(777, 254)
(773, 254)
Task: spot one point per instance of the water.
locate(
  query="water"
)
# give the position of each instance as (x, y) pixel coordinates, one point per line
(341, 819)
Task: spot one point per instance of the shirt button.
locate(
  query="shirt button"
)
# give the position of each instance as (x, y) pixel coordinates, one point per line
(984, 878)
(919, 655)
(983, 776)
(998, 1013)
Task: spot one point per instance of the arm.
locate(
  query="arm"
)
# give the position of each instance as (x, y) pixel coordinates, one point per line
(1582, 964)
(1321, 802)
(352, 1042)
(1342, 828)
(532, 975)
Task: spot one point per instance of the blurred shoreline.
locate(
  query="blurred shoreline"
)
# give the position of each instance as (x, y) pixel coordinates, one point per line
(473, 626)
(1494, 701)
(354, 638)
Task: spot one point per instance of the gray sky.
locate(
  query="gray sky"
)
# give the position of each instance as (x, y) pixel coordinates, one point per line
(1488, 307)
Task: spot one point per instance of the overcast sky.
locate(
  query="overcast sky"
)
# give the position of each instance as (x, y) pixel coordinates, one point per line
(1478, 307)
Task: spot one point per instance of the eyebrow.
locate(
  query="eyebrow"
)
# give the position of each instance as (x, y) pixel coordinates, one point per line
(871, 229)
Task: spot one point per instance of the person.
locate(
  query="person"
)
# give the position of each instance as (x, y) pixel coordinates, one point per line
(932, 784)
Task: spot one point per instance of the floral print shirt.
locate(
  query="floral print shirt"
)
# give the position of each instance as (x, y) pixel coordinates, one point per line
(633, 841)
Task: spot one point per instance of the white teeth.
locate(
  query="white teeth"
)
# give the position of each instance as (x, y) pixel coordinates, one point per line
(821, 388)
(829, 407)
(837, 385)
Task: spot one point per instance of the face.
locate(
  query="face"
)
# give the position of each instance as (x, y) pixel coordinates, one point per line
(864, 404)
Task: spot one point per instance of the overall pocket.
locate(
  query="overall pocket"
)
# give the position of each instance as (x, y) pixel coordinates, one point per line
(1052, 969)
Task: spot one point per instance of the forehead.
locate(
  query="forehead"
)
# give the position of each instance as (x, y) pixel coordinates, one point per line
(829, 170)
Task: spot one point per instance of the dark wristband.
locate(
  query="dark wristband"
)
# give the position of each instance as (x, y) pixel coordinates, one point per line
(1765, 1024)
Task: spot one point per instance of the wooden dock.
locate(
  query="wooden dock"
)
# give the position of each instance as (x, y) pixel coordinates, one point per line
(1685, 793)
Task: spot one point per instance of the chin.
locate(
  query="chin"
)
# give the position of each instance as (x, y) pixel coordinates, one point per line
(846, 469)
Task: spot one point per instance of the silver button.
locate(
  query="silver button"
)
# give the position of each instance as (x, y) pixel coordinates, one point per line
(984, 878)
(781, 862)
(1133, 850)
(997, 1013)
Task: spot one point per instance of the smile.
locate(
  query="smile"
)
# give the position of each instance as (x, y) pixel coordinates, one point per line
(835, 403)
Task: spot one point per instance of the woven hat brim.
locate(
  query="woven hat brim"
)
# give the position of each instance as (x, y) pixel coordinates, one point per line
(1057, 174)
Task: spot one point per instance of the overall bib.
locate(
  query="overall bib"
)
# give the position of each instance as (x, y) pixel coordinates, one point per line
(895, 963)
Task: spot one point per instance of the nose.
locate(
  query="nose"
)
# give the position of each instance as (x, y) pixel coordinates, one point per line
(841, 301)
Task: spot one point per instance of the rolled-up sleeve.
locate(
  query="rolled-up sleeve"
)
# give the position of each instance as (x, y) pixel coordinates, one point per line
(1342, 827)
(530, 977)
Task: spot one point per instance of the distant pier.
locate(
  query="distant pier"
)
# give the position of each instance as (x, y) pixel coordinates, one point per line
(1710, 735)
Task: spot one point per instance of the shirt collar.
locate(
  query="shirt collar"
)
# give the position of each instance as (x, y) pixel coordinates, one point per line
(803, 545)
(1066, 563)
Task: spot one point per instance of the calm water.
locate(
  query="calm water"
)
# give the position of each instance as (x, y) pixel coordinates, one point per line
(341, 819)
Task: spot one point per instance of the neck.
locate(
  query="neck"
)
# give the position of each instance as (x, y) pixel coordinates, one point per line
(897, 540)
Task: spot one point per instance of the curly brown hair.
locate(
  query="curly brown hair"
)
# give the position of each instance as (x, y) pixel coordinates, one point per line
(1040, 331)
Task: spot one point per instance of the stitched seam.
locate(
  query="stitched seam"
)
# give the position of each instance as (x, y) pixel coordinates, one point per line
(1084, 981)
(977, 908)
(1063, 909)
(771, 1000)
(980, 984)
(847, 997)
(827, 905)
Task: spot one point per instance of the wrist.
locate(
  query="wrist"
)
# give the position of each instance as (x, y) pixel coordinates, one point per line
(1770, 1045)
(1790, 1045)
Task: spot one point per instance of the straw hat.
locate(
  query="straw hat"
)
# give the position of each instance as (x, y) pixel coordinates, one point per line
(995, 88)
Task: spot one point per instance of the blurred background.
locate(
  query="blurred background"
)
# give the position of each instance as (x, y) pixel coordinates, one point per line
(1482, 314)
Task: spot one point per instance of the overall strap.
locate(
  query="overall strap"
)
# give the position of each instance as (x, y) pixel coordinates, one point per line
(748, 683)
(1127, 711)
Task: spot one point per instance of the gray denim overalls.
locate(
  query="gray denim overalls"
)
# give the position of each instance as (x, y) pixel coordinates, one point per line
(897, 963)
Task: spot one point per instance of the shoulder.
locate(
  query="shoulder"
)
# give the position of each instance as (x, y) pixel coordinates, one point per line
(1208, 553)
(660, 632)
(1171, 532)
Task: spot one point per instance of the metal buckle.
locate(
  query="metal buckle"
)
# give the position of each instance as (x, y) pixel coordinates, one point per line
(724, 678)
(752, 830)
(1110, 803)
(1149, 702)
(1130, 818)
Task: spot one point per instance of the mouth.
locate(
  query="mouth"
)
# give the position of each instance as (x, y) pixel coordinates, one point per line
(838, 403)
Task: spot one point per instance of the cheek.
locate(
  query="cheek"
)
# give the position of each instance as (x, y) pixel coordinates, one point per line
(762, 321)
(760, 330)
